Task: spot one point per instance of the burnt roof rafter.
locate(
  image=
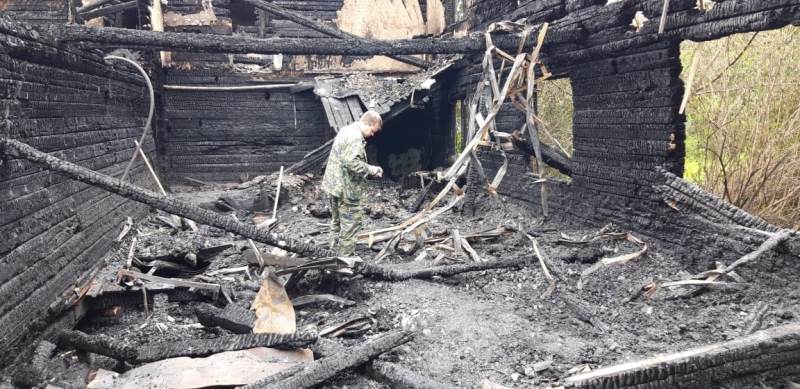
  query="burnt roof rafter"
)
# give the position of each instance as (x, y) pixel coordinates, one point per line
(576, 37)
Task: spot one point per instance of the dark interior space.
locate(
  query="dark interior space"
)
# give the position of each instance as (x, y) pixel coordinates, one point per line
(404, 145)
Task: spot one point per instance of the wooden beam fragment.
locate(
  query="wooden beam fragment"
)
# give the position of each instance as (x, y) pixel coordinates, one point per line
(312, 374)
(111, 9)
(216, 288)
(766, 352)
(233, 317)
(98, 344)
(157, 351)
(550, 156)
(237, 88)
(389, 273)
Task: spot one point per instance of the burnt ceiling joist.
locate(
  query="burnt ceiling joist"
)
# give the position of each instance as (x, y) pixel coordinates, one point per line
(567, 39)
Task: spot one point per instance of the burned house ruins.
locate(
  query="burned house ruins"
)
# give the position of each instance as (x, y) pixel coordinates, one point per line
(159, 171)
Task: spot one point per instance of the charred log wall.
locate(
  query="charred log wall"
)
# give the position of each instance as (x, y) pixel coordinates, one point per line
(626, 94)
(626, 121)
(36, 12)
(220, 136)
(70, 103)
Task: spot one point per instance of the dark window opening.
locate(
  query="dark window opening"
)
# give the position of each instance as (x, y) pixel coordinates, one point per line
(242, 14)
(129, 19)
(404, 145)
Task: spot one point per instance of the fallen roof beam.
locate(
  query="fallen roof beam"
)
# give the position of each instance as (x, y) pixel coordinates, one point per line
(767, 352)
(330, 31)
(168, 205)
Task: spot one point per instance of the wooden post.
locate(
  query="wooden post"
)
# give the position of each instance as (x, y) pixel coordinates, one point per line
(277, 195)
(663, 22)
(150, 168)
(157, 24)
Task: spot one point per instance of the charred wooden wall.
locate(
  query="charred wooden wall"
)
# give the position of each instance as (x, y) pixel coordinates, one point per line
(626, 100)
(70, 103)
(36, 12)
(626, 121)
(225, 136)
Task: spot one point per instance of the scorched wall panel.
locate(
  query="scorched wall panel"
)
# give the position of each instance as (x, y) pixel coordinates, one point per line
(71, 104)
(227, 136)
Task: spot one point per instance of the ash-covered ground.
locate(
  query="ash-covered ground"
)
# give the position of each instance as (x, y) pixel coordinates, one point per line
(499, 325)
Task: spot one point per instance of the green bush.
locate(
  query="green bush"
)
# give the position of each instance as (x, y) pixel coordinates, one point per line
(743, 121)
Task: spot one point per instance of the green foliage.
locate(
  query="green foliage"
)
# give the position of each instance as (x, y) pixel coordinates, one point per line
(743, 121)
(554, 108)
(459, 127)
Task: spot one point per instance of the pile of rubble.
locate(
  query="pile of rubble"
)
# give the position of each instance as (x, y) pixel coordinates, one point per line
(526, 303)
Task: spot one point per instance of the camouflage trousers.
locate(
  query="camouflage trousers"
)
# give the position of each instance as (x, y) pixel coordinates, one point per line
(346, 221)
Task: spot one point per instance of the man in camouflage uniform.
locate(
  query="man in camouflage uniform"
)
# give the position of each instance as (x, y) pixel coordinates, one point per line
(345, 181)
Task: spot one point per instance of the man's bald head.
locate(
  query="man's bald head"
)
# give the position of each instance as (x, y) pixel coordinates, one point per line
(373, 120)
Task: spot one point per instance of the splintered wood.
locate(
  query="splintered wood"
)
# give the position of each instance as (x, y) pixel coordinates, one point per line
(519, 78)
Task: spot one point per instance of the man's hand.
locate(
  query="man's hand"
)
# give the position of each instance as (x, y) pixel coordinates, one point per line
(377, 171)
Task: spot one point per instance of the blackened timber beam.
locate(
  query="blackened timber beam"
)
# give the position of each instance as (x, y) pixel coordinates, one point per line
(330, 31)
(769, 353)
(312, 374)
(89, 7)
(168, 205)
(550, 156)
(98, 344)
(111, 9)
(157, 351)
(210, 43)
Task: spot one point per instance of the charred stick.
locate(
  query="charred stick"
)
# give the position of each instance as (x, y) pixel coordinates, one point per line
(206, 347)
(98, 344)
(312, 374)
(389, 274)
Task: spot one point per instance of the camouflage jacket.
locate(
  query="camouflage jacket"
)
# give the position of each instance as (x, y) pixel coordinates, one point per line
(347, 170)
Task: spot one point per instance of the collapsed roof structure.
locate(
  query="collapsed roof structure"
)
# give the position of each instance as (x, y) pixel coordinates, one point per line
(241, 88)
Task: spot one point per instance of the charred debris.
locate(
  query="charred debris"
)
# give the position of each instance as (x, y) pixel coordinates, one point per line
(164, 225)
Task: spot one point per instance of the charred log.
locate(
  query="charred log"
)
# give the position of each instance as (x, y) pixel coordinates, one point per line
(172, 206)
(98, 344)
(691, 196)
(306, 376)
(389, 274)
(233, 318)
(205, 347)
(768, 353)
(550, 156)
(210, 43)
(110, 10)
